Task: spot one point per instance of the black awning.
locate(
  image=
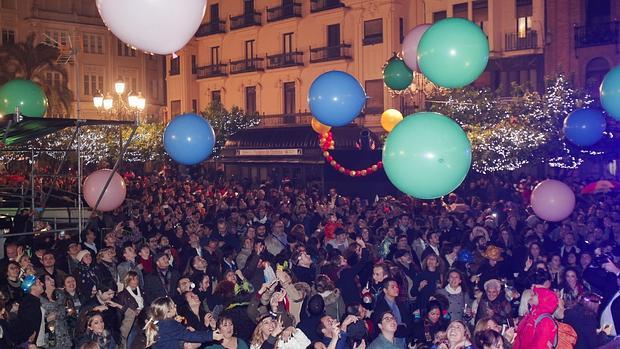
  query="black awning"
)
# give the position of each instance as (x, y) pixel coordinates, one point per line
(303, 137)
(31, 128)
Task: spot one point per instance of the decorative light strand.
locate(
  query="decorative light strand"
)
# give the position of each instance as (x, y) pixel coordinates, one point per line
(326, 142)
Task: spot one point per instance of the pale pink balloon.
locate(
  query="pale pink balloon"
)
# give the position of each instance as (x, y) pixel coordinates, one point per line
(114, 194)
(410, 46)
(553, 200)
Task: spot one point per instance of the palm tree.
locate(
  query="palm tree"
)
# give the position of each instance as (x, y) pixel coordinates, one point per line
(27, 60)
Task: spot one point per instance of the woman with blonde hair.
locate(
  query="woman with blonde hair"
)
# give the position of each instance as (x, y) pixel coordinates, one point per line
(458, 337)
(163, 331)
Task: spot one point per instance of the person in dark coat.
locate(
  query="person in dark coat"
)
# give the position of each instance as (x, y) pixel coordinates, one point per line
(583, 318)
(27, 323)
(388, 302)
(162, 281)
(164, 332)
(311, 319)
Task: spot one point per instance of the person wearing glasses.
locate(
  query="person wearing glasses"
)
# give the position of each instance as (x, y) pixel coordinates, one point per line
(386, 340)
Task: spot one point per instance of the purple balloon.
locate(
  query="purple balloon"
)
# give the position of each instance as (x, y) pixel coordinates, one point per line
(410, 46)
(553, 200)
(114, 194)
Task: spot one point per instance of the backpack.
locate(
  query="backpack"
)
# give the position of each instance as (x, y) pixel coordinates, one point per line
(565, 335)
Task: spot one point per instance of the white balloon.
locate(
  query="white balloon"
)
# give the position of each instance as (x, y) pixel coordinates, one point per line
(154, 26)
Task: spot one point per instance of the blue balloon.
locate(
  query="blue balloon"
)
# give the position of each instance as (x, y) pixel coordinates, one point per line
(584, 127)
(336, 98)
(465, 256)
(189, 139)
(610, 93)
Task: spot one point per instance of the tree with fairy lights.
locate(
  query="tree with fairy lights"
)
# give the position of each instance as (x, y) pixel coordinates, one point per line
(508, 133)
(226, 123)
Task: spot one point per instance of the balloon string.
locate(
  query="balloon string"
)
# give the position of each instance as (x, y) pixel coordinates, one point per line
(326, 142)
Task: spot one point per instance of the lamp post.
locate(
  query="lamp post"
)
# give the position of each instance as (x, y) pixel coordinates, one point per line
(124, 106)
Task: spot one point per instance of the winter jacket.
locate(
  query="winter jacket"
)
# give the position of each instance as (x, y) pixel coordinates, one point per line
(538, 336)
(171, 334)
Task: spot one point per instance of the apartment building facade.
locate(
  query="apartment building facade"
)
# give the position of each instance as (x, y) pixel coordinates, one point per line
(101, 58)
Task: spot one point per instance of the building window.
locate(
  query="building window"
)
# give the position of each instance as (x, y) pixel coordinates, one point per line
(215, 55)
(595, 72)
(154, 89)
(373, 31)
(53, 79)
(216, 97)
(374, 91)
(438, 16)
(401, 29)
(175, 65)
(460, 10)
(93, 84)
(54, 37)
(131, 82)
(8, 4)
(524, 17)
(124, 50)
(194, 65)
(289, 98)
(92, 43)
(598, 11)
(8, 36)
(481, 12)
(194, 106)
(287, 42)
(175, 107)
(250, 100)
(249, 49)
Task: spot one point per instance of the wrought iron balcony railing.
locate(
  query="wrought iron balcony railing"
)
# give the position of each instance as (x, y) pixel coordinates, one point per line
(285, 119)
(515, 42)
(286, 59)
(324, 5)
(283, 12)
(330, 53)
(211, 71)
(247, 65)
(213, 27)
(597, 34)
(245, 20)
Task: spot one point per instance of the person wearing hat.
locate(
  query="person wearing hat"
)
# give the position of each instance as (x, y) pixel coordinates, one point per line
(27, 326)
(492, 267)
(494, 303)
(583, 318)
(87, 276)
(162, 281)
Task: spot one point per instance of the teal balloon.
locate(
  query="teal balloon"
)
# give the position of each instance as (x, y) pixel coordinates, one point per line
(610, 93)
(397, 75)
(453, 52)
(427, 155)
(26, 95)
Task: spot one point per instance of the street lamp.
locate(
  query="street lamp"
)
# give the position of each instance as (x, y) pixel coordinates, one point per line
(123, 106)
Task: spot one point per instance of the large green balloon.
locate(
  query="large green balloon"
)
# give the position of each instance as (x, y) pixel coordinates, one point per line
(453, 52)
(397, 75)
(427, 155)
(610, 93)
(26, 95)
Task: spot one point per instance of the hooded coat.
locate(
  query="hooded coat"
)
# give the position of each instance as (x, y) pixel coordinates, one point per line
(532, 336)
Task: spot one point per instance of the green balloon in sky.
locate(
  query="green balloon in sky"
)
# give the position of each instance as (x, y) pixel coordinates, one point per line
(453, 52)
(397, 74)
(427, 155)
(25, 94)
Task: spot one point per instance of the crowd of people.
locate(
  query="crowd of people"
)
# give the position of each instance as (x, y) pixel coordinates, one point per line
(195, 262)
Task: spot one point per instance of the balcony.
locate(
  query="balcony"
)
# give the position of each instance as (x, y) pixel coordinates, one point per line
(211, 71)
(283, 12)
(514, 42)
(273, 120)
(287, 59)
(215, 27)
(330, 53)
(245, 20)
(596, 34)
(324, 5)
(247, 65)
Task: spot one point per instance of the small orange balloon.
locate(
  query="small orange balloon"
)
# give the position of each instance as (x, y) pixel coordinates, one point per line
(318, 127)
(390, 118)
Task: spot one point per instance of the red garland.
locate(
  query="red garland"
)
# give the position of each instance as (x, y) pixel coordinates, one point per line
(326, 142)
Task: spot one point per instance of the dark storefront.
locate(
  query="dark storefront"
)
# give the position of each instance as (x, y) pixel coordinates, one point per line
(293, 153)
